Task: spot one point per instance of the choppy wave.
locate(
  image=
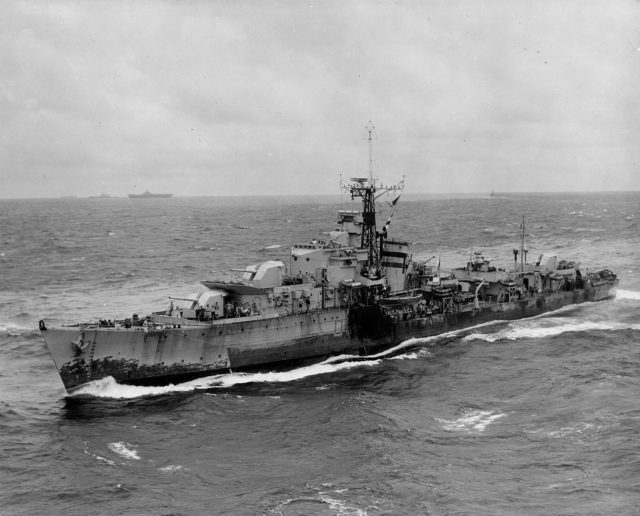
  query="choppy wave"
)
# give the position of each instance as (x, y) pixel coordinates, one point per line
(171, 468)
(9, 327)
(471, 420)
(583, 430)
(317, 500)
(309, 505)
(414, 355)
(569, 417)
(569, 431)
(125, 450)
(99, 458)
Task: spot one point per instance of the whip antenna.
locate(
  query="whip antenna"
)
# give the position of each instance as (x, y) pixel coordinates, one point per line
(370, 128)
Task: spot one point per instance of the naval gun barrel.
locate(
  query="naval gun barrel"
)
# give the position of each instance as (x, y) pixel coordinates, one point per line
(183, 299)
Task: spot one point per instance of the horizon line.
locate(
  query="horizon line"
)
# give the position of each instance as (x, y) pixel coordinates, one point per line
(489, 194)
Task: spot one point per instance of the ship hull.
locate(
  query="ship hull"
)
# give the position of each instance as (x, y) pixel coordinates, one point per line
(159, 356)
(486, 313)
(149, 195)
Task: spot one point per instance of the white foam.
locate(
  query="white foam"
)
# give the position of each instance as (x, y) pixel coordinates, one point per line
(526, 330)
(567, 431)
(337, 507)
(472, 420)
(414, 355)
(405, 356)
(109, 388)
(97, 457)
(10, 327)
(231, 379)
(103, 459)
(627, 294)
(323, 387)
(171, 468)
(124, 450)
(421, 341)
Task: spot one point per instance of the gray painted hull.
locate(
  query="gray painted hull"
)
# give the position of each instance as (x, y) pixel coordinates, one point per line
(160, 356)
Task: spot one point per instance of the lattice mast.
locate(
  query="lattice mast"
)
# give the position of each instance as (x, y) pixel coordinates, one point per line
(367, 189)
(522, 251)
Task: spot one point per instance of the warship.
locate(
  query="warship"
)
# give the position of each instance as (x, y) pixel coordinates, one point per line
(355, 294)
(148, 195)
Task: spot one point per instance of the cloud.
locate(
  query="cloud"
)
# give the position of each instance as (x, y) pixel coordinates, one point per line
(244, 98)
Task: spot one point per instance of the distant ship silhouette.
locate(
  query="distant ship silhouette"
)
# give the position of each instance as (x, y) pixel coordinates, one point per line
(148, 195)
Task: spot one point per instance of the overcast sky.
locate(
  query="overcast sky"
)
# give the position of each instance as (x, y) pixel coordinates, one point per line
(269, 97)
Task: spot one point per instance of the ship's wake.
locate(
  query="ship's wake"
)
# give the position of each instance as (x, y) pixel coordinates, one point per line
(549, 327)
(628, 294)
(109, 388)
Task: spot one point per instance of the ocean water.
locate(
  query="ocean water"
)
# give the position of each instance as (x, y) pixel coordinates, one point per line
(539, 416)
